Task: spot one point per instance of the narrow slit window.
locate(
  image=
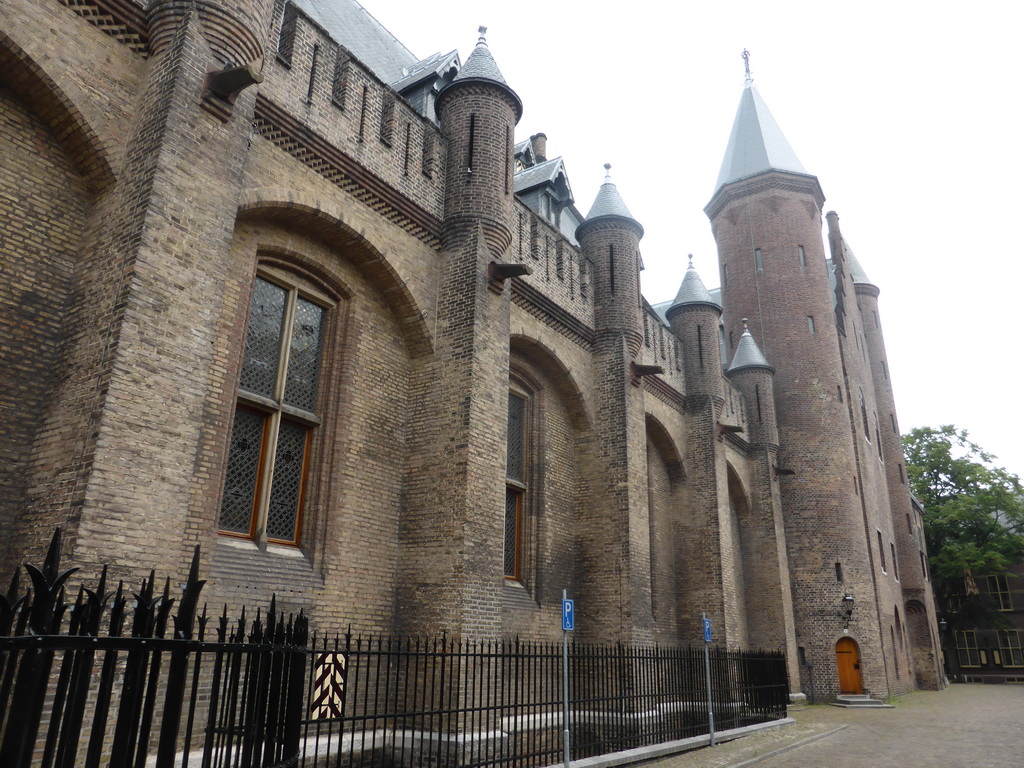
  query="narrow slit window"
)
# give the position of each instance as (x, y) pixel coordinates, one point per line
(611, 268)
(312, 73)
(758, 260)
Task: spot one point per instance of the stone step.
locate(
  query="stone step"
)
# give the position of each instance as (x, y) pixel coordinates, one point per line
(850, 701)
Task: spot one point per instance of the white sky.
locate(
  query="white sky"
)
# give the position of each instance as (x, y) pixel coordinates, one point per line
(907, 112)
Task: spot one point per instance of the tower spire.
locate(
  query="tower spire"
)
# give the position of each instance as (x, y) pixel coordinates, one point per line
(749, 80)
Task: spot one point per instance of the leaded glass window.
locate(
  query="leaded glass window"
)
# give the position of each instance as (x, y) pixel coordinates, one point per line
(276, 414)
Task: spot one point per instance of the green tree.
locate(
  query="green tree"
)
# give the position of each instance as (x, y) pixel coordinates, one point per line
(973, 520)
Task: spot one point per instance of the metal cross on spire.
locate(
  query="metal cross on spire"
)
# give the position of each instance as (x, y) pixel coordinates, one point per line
(746, 66)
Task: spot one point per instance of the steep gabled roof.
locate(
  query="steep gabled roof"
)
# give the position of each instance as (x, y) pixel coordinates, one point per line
(433, 66)
(542, 173)
(756, 143)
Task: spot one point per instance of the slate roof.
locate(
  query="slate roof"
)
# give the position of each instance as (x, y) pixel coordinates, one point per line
(481, 66)
(853, 266)
(351, 25)
(535, 175)
(693, 291)
(432, 66)
(748, 355)
(609, 203)
(756, 143)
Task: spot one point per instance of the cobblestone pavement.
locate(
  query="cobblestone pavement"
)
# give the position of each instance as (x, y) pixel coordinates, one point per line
(965, 726)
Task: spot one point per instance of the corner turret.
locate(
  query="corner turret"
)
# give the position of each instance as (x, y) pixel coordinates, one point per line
(610, 238)
(478, 111)
(694, 317)
(751, 373)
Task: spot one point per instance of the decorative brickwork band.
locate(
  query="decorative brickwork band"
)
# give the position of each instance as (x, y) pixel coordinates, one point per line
(231, 35)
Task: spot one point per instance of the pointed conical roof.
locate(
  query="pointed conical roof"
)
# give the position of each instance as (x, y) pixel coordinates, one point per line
(609, 204)
(692, 291)
(480, 67)
(756, 143)
(748, 355)
(853, 266)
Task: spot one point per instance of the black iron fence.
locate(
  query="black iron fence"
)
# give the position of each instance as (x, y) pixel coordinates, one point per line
(149, 681)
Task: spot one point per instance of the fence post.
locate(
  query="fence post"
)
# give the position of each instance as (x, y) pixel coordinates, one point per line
(178, 669)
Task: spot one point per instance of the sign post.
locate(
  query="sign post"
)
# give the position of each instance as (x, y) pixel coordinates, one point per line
(568, 625)
(707, 672)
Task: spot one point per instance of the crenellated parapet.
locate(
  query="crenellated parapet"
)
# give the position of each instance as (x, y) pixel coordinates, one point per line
(331, 112)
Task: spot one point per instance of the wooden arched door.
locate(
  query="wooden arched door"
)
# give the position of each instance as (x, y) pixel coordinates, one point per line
(848, 661)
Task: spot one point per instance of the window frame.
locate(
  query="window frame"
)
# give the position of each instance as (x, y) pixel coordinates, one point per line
(518, 486)
(276, 412)
(1011, 652)
(966, 648)
(999, 590)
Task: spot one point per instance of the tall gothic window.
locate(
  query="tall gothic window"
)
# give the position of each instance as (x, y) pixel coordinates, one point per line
(515, 484)
(276, 414)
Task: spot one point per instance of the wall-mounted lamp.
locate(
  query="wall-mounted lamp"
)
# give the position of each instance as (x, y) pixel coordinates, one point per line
(847, 610)
(942, 625)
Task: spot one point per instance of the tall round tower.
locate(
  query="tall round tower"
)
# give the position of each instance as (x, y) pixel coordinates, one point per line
(917, 599)
(766, 218)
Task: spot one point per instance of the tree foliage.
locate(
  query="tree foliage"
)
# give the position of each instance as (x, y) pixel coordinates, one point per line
(973, 520)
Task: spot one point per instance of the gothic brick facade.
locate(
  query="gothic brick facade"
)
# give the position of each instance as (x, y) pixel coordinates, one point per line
(274, 290)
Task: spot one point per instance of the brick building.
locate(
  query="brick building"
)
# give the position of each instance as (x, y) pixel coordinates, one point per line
(277, 287)
(987, 653)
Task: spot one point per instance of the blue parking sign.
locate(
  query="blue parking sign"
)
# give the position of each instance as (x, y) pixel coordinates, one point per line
(568, 616)
(707, 630)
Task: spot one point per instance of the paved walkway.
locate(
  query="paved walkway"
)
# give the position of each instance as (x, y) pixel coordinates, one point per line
(965, 726)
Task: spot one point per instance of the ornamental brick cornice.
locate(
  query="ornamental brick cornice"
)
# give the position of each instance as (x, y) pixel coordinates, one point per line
(770, 181)
(608, 223)
(665, 392)
(121, 19)
(320, 155)
(540, 306)
(866, 289)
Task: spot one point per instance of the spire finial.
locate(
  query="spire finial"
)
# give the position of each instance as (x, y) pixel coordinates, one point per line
(745, 329)
(607, 173)
(483, 35)
(690, 257)
(746, 66)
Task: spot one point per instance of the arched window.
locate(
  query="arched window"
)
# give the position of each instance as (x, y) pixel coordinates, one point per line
(277, 410)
